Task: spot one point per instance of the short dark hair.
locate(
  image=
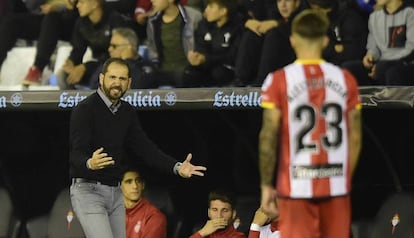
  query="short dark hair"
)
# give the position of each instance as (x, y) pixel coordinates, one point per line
(128, 169)
(221, 195)
(231, 5)
(112, 60)
(325, 4)
(310, 24)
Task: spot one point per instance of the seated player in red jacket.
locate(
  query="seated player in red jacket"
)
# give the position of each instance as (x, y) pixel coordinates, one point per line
(143, 219)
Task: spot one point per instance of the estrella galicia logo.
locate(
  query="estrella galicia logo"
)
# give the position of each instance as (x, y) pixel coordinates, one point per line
(16, 99)
(170, 98)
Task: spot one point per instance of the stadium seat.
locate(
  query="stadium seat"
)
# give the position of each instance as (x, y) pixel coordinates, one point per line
(61, 222)
(21, 58)
(9, 224)
(395, 218)
(56, 225)
(161, 198)
(62, 54)
(16, 65)
(361, 228)
(246, 206)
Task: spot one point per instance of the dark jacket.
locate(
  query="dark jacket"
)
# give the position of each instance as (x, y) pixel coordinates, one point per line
(93, 125)
(348, 29)
(96, 37)
(190, 19)
(219, 45)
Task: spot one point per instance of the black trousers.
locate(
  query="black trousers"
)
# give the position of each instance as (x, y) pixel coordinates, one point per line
(215, 76)
(276, 53)
(400, 75)
(248, 57)
(55, 26)
(387, 72)
(18, 26)
(59, 26)
(260, 55)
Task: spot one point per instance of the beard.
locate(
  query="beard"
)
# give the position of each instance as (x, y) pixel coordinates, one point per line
(113, 93)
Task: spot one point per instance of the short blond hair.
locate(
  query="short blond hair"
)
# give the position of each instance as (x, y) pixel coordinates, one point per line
(310, 24)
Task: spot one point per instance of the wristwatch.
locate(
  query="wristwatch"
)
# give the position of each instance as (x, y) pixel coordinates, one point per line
(176, 167)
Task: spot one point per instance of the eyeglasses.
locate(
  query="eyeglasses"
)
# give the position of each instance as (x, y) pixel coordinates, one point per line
(117, 45)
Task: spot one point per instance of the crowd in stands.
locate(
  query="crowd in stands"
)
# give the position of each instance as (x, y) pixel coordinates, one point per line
(208, 43)
(390, 44)
(211, 43)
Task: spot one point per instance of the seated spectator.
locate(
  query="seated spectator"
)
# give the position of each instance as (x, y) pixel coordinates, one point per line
(265, 45)
(11, 6)
(92, 29)
(366, 5)
(347, 31)
(59, 26)
(143, 219)
(221, 214)
(55, 26)
(143, 10)
(253, 10)
(347, 37)
(216, 43)
(124, 44)
(25, 25)
(389, 50)
(264, 226)
(170, 35)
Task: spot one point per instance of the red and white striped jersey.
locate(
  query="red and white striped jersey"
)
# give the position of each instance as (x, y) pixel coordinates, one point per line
(315, 98)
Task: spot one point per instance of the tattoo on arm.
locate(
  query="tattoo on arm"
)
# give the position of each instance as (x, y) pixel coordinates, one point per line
(355, 137)
(268, 145)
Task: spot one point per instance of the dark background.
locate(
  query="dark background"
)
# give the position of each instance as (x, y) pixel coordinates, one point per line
(34, 158)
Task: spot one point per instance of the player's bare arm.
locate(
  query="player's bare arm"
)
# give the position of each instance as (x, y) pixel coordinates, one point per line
(355, 137)
(268, 145)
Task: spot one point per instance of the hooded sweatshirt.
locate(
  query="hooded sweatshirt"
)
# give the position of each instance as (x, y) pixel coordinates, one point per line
(391, 35)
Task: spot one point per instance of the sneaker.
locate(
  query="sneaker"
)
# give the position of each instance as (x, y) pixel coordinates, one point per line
(33, 77)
